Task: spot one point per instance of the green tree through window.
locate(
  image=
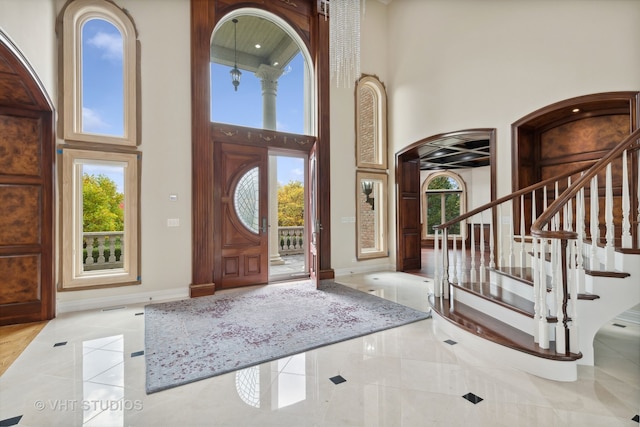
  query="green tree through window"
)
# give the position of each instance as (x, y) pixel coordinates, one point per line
(291, 204)
(443, 195)
(102, 204)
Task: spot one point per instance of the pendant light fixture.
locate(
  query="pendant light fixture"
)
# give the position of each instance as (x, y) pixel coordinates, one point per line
(235, 73)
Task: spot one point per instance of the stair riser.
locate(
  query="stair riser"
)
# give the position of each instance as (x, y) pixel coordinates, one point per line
(512, 285)
(515, 319)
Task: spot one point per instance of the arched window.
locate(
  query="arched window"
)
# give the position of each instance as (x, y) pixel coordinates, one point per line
(261, 74)
(99, 84)
(100, 163)
(444, 198)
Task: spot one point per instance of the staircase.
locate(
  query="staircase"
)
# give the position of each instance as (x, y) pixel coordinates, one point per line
(535, 299)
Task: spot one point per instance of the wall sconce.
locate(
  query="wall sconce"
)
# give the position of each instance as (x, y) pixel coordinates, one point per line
(367, 189)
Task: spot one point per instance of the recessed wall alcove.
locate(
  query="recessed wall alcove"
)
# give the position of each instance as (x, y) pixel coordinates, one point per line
(571, 134)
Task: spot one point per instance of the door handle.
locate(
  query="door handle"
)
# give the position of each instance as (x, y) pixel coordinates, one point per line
(264, 225)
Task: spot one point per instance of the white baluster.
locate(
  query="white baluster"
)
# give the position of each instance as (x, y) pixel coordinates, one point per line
(558, 286)
(512, 257)
(608, 213)
(483, 271)
(500, 242)
(543, 327)
(492, 263)
(568, 212)
(626, 204)
(445, 263)
(534, 270)
(594, 228)
(463, 255)
(454, 278)
(580, 226)
(472, 273)
(89, 260)
(437, 280)
(112, 249)
(523, 252)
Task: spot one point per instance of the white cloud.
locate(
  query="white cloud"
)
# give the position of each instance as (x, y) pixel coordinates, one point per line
(110, 44)
(91, 121)
(297, 172)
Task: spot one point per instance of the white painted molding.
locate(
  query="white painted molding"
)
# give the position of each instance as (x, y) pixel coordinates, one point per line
(118, 300)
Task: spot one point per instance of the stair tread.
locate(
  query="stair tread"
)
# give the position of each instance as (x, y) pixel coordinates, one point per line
(487, 327)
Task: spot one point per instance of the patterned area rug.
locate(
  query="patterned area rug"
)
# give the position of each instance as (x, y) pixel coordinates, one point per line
(198, 338)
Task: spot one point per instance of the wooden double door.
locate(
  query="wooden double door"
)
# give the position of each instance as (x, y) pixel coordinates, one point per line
(241, 215)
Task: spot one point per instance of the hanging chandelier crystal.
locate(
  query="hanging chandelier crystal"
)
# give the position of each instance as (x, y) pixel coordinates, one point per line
(344, 41)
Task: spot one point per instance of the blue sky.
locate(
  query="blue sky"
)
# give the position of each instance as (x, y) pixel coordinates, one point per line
(103, 95)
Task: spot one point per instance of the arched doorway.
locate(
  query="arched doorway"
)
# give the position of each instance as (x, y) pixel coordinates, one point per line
(454, 150)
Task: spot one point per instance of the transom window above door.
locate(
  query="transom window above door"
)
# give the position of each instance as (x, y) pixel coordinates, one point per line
(260, 74)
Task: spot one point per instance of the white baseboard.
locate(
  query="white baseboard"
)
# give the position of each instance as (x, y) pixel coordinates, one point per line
(363, 269)
(117, 300)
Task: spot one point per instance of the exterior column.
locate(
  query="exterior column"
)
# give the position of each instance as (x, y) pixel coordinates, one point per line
(269, 77)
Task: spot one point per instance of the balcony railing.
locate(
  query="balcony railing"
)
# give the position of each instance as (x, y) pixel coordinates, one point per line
(104, 250)
(107, 247)
(291, 240)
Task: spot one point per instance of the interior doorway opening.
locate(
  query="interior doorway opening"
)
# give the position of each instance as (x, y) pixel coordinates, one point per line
(288, 245)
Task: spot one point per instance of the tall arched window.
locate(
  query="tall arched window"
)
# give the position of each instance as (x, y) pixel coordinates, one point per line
(99, 56)
(444, 198)
(99, 159)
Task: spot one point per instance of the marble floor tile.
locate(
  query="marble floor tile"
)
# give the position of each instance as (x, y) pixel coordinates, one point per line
(406, 376)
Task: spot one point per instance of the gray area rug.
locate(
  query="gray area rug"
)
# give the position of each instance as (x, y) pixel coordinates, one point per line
(198, 338)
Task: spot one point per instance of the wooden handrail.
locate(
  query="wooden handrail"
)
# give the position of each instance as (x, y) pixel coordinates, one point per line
(554, 208)
(511, 196)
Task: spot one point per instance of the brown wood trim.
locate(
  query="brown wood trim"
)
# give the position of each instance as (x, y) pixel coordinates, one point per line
(201, 290)
(314, 31)
(558, 203)
(487, 327)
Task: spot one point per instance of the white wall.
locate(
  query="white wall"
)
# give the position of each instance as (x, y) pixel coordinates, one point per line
(164, 34)
(460, 64)
(343, 161)
(31, 26)
(163, 30)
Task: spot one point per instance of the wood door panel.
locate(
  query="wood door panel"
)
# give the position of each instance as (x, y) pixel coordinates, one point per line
(20, 219)
(26, 192)
(244, 254)
(19, 146)
(234, 234)
(20, 279)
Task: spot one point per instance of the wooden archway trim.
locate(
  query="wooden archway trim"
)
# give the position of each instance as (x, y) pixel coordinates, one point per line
(407, 165)
(27, 291)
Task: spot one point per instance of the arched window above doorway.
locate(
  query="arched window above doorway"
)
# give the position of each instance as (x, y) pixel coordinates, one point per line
(443, 199)
(261, 74)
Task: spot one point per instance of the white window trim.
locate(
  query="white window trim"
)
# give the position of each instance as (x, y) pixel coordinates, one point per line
(74, 17)
(463, 202)
(73, 276)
